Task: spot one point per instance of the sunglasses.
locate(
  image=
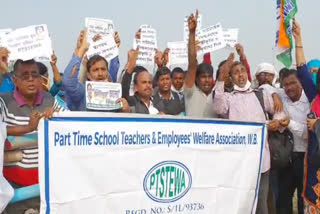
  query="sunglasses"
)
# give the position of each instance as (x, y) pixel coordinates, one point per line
(26, 76)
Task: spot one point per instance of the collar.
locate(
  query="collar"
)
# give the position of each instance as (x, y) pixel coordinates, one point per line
(244, 89)
(20, 99)
(177, 91)
(303, 97)
(170, 98)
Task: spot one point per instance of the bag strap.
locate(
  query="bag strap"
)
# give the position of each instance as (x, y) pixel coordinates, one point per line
(259, 95)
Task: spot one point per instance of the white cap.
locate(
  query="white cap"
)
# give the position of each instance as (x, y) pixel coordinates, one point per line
(267, 68)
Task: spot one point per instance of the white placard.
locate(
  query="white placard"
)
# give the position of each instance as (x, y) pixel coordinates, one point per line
(105, 47)
(186, 28)
(4, 32)
(211, 39)
(231, 37)
(147, 45)
(127, 163)
(178, 53)
(29, 43)
(103, 95)
(99, 26)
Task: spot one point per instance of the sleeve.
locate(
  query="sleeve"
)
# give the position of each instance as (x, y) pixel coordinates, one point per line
(82, 77)
(207, 58)
(299, 129)
(73, 88)
(306, 82)
(55, 88)
(188, 92)
(268, 102)
(2, 110)
(221, 102)
(60, 105)
(126, 81)
(114, 68)
(246, 64)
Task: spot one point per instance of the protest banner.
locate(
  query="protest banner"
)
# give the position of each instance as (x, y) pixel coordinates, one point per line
(230, 37)
(105, 47)
(178, 54)
(130, 163)
(103, 95)
(186, 28)
(211, 39)
(6, 191)
(99, 26)
(4, 32)
(29, 43)
(147, 45)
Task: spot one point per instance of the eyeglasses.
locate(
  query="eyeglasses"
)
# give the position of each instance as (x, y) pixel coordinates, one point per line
(26, 76)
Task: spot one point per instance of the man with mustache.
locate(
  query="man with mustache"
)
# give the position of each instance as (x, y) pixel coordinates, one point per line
(21, 110)
(199, 78)
(141, 102)
(243, 104)
(97, 70)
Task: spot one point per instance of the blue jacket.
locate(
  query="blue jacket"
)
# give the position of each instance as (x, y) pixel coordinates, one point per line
(306, 82)
(74, 90)
(6, 84)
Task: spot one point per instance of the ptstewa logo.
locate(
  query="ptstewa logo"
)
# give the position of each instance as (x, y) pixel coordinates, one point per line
(167, 181)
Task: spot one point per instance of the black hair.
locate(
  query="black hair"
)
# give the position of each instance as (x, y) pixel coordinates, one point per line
(236, 63)
(160, 72)
(42, 68)
(219, 66)
(138, 70)
(177, 70)
(285, 72)
(204, 68)
(94, 59)
(21, 62)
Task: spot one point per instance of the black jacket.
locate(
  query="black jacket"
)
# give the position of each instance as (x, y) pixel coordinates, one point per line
(136, 104)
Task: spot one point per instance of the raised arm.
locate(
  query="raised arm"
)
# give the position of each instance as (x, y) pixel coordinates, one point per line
(127, 77)
(221, 98)
(4, 55)
(192, 54)
(73, 88)
(56, 76)
(243, 59)
(115, 63)
(303, 74)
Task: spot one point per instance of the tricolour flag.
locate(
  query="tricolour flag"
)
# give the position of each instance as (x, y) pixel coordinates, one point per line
(286, 10)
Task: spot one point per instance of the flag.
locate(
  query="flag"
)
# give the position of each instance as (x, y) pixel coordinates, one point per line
(286, 10)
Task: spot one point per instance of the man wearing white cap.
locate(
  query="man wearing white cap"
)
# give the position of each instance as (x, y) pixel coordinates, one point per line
(266, 76)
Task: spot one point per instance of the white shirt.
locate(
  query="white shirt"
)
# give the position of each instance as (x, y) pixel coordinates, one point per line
(179, 92)
(297, 111)
(152, 109)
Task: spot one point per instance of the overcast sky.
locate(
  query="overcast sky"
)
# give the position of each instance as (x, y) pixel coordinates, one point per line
(254, 18)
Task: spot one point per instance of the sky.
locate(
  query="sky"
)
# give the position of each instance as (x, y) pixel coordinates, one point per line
(254, 18)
